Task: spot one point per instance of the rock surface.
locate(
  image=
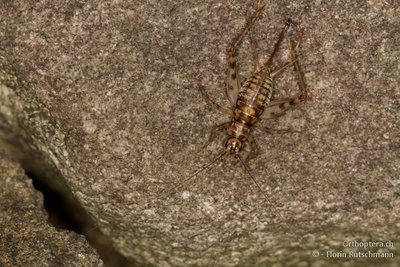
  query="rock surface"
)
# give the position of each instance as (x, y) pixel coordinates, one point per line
(101, 95)
(26, 238)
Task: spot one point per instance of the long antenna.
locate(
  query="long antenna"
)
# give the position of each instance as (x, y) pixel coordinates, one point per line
(272, 207)
(196, 173)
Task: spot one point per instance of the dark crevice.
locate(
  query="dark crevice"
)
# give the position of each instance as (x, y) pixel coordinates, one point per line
(65, 213)
(59, 211)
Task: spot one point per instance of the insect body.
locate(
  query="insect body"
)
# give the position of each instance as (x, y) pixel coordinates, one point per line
(251, 102)
(255, 95)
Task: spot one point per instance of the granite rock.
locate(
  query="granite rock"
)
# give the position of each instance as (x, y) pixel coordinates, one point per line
(26, 237)
(98, 89)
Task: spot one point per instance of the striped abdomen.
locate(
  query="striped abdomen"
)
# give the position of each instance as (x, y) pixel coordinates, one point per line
(255, 95)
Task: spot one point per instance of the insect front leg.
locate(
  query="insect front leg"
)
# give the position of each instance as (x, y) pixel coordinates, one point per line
(222, 109)
(213, 134)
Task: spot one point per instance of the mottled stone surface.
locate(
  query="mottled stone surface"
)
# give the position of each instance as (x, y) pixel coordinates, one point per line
(26, 238)
(102, 96)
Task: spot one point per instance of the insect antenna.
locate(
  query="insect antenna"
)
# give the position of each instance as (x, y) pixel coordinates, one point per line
(272, 207)
(196, 173)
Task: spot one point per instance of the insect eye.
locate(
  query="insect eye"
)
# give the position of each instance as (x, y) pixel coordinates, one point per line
(226, 143)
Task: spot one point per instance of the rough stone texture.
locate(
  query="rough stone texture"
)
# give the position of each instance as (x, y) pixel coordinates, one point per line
(26, 238)
(102, 96)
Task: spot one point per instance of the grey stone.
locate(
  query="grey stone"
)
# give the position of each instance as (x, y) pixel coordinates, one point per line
(101, 94)
(26, 238)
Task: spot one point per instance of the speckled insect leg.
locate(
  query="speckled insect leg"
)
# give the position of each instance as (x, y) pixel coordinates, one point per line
(213, 134)
(280, 106)
(260, 7)
(222, 109)
(232, 78)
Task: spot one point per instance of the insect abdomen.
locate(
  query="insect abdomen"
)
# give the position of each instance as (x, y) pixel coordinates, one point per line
(256, 94)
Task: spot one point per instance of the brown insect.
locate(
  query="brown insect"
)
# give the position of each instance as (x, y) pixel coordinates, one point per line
(251, 102)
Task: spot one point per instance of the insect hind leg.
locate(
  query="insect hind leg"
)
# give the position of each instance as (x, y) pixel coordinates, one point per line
(232, 78)
(280, 106)
(260, 7)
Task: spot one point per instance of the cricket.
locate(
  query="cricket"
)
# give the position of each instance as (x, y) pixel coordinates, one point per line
(250, 101)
